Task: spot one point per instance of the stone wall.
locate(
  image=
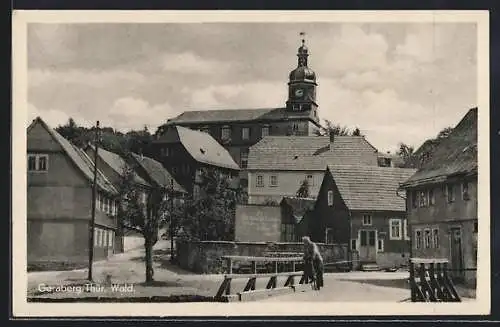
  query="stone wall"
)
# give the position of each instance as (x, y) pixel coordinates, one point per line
(205, 256)
(257, 223)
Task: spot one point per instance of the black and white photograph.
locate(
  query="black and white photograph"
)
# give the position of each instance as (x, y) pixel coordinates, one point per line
(250, 163)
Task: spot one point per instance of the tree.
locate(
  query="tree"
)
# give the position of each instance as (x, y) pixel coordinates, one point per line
(445, 132)
(210, 216)
(303, 191)
(336, 129)
(406, 152)
(144, 210)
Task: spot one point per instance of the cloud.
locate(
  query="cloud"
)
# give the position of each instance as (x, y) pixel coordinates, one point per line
(353, 50)
(133, 113)
(190, 63)
(52, 117)
(232, 96)
(96, 78)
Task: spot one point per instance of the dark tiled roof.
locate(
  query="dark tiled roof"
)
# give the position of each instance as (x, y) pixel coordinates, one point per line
(455, 154)
(78, 157)
(309, 152)
(300, 206)
(205, 149)
(232, 115)
(157, 172)
(117, 163)
(370, 187)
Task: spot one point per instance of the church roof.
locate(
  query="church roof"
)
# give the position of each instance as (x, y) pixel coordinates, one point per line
(309, 152)
(232, 115)
(455, 154)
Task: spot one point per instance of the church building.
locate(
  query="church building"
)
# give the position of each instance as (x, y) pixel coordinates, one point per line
(238, 129)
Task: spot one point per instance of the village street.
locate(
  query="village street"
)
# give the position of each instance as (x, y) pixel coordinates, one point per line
(128, 268)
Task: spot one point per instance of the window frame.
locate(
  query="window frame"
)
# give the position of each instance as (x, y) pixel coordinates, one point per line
(247, 136)
(355, 240)
(431, 197)
(427, 241)
(310, 179)
(465, 191)
(400, 223)
(244, 154)
(275, 178)
(450, 193)
(435, 237)
(259, 181)
(37, 157)
(370, 222)
(414, 199)
(329, 196)
(380, 245)
(418, 239)
(225, 129)
(423, 199)
(406, 229)
(268, 128)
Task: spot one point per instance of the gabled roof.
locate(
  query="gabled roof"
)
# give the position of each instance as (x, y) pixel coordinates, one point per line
(370, 188)
(204, 148)
(455, 154)
(309, 152)
(117, 163)
(78, 157)
(300, 206)
(232, 115)
(157, 172)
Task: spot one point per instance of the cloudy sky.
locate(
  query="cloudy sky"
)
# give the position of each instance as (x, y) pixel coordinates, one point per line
(396, 82)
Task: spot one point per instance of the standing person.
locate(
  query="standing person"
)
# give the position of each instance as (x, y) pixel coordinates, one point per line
(313, 262)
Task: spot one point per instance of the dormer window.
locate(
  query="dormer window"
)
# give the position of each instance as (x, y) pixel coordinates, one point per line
(245, 133)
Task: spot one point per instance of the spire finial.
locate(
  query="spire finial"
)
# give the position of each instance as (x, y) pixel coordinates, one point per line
(303, 36)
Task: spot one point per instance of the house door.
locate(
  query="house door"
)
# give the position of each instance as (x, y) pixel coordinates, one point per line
(367, 245)
(457, 260)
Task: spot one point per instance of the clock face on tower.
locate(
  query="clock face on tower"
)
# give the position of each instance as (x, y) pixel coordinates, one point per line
(299, 93)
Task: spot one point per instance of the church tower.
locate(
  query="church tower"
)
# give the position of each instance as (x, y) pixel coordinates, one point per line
(302, 85)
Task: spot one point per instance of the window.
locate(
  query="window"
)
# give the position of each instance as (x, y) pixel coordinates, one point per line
(465, 191)
(165, 152)
(414, 199)
(432, 197)
(354, 244)
(110, 238)
(435, 238)
(367, 220)
(245, 133)
(380, 245)
(310, 180)
(96, 237)
(264, 131)
(450, 194)
(295, 127)
(226, 133)
(105, 208)
(418, 239)
(273, 180)
(144, 197)
(205, 129)
(427, 238)
(38, 162)
(330, 198)
(406, 229)
(244, 159)
(260, 181)
(395, 229)
(423, 199)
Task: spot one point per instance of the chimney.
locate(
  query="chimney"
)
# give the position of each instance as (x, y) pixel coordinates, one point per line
(332, 139)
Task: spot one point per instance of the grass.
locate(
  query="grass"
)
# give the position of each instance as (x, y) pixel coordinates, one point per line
(55, 266)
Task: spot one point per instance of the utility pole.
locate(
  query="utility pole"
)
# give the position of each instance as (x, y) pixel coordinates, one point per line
(94, 193)
(171, 195)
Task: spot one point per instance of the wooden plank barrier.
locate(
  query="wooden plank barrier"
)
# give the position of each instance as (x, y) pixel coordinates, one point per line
(250, 291)
(430, 282)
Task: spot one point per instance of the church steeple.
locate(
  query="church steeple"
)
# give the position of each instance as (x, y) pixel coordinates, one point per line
(302, 83)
